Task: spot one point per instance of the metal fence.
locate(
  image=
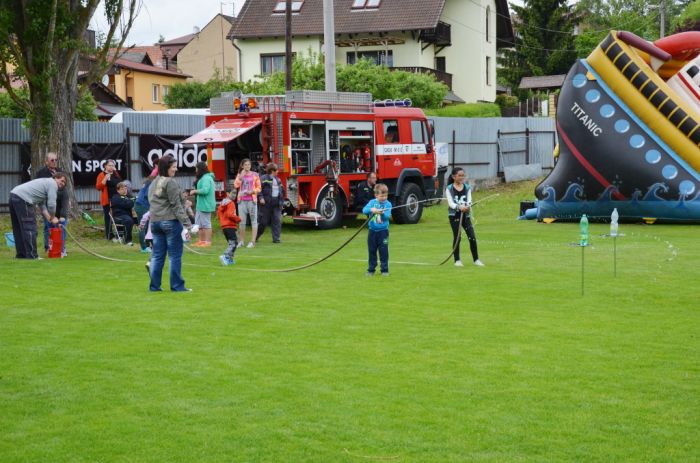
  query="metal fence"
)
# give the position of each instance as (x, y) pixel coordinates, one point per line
(483, 146)
(13, 134)
(136, 124)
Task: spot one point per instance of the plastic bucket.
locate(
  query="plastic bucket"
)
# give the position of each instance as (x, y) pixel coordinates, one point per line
(10, 240)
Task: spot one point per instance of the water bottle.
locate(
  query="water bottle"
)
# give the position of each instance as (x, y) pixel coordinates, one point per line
(613, 222)
(584, 230)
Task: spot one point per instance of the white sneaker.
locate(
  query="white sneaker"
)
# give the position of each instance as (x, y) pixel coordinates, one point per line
(478, 263)
(251, 245)
(458, 263)
(240, 244)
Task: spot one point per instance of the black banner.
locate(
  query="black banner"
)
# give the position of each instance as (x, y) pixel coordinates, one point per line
(88, 161)
(154, 147)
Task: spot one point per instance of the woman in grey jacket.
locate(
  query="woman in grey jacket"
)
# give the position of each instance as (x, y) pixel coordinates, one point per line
(168, 218)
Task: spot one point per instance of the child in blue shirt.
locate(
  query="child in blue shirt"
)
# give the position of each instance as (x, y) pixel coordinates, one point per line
(378, 235)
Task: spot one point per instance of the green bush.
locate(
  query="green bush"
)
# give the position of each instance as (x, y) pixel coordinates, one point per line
(309, 74)
(84, 110)
(467, 110)
(506, 101)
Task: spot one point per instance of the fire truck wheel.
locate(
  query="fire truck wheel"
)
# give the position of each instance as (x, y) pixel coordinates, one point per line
(331, 208)
(412, 209)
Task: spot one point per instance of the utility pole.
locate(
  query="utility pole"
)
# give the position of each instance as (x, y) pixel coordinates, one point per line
(329, 43)
(662, 18)
(288, 46)
(223, 35)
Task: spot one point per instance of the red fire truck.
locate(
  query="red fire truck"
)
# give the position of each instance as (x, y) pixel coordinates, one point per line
(324, 143)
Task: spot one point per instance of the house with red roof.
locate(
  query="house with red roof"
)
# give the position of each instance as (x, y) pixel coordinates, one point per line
(142, 86)
(455, 40)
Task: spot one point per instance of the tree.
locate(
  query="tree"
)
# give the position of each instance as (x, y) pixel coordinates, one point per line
(689, 19)
(197, 94)
(309, 74)
(546, 44)
(599, 17)
(41, 42)
(84, 110)
(512, 68)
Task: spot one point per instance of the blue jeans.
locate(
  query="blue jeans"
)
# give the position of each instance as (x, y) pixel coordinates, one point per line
(46, 235)
(167, 238)
(378, 242)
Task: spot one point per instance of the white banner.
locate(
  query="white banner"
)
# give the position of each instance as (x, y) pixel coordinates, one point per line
(417, 148)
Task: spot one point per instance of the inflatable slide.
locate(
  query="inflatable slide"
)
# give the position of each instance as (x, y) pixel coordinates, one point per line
(628, 123)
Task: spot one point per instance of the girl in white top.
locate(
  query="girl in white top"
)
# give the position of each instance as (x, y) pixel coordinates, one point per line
(459, 200)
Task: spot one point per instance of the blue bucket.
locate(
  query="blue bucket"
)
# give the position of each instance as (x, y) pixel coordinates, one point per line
(10, 240)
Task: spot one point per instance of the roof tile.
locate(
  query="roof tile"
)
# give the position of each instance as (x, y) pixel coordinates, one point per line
(392, 15)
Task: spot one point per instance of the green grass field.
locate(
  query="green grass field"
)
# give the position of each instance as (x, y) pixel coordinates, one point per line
(506, 363)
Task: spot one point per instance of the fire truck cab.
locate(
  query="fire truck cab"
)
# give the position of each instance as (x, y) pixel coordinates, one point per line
(325, 144)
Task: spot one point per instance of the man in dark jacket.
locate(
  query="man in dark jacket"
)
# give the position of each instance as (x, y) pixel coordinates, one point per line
(271, 201)
(47, 171)
(364, 191)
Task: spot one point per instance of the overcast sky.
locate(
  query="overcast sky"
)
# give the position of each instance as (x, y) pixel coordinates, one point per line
(169, 18)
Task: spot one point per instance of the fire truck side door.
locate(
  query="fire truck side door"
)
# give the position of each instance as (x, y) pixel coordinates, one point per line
(420, 139)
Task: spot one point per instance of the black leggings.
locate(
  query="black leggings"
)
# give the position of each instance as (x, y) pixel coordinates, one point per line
(467, 225)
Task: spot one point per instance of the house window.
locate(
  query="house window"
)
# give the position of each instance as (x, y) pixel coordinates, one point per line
(281, 7)
(269, 64)
(440, 64)
(166, 90)
(419, 132)
(154, 93)
(379, 57)
(488, 23)
(488, 70)
(365, 4)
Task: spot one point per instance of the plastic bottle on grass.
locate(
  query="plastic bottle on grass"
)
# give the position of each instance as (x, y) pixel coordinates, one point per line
(584, 230)
(614, 217)
(88, 219)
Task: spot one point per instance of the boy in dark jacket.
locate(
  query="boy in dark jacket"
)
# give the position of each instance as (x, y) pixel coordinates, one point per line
(229, 225)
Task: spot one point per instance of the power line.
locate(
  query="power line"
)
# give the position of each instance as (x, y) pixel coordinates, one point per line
(514, 44)
(508, 41)
(621, 26)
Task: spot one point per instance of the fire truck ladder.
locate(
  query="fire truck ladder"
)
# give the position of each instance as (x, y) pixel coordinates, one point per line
(272, 105)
